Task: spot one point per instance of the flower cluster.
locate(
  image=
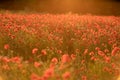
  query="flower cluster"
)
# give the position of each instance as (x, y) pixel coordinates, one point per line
(59, 47)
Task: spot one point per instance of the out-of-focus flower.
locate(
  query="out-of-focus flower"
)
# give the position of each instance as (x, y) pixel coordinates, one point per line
(13, 37)
(107, 59)
(85, 52)
(6, 59)
(106, 69)
(35, 50)
(66, 75)
(16, 59)
(54, 60)
(48, 73)
(84, 77)
(73, 56)
(113, 65)
(6, 46)
(59, 51)
(101, 53)
(97, 48)
(114, 45)
(106, 50)
(37, 64)
(43, 52)
(65, 58)
(93, 58)
(83, 61)
(115, 50)
(34, 76)
(91, 53)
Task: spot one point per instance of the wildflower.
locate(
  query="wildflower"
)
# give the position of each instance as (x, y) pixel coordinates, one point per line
(84, 77)
(115, 50)
(6, 46)
(114, 45)
(37, 64)
(107, 59)
(43, 52)
(101, 53)
(16, 59)
(85, 52)
(73, 56)
(54, 60)
(66, 75)
(83, 61)
(34, 76)
(106, 50)
(59, 51)
(5, 59)
(93, 58)
(65, 58)
(91, 53)
(49, 73)
(113, 65)
(34, 51)
(97, 48)
(106, 69)
(13, 36)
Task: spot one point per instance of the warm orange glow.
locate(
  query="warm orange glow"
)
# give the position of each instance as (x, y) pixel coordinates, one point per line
(65, 6)
(77, 6)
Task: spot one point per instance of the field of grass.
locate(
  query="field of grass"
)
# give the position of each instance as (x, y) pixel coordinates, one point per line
(59, 47)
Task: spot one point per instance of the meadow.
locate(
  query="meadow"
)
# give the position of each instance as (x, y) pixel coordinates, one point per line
(59, 47)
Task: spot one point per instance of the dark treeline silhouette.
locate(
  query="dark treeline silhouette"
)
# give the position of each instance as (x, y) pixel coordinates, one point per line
(98, 7)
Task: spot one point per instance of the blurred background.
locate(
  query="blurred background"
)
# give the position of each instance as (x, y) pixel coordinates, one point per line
(97, 7)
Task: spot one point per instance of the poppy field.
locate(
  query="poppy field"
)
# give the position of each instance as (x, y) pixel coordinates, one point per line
(59, 47)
